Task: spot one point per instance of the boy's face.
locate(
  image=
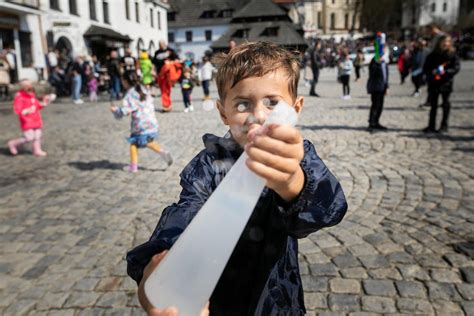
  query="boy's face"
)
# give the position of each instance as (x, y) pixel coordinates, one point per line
(248, 104)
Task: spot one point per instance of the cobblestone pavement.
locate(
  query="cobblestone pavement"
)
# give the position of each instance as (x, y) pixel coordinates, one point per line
(67, 220)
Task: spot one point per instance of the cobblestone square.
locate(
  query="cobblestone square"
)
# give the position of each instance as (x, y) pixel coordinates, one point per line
(67, 220)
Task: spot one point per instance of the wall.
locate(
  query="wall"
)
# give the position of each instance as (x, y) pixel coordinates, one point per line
(199, 45)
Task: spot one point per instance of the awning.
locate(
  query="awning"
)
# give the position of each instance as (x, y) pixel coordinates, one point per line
(102, 33)
(18, 9)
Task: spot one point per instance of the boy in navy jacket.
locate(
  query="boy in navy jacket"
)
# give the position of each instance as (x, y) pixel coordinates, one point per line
(301, 195)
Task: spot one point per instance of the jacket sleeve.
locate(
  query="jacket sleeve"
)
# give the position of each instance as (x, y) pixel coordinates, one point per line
(18, 105)
(320, 204)
(454, 67)
(196, 188)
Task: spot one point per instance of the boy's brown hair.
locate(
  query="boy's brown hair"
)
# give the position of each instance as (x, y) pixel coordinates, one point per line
(256, 59)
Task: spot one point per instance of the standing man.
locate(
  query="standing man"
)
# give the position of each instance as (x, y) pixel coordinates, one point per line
(377, 85)
(164, 55)
(315, 60)
(129, 64)
(113, 68)
(13, 70)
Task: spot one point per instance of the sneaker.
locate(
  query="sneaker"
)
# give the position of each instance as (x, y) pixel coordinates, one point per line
(348, 97)
(416, 94)
(186, 110)
(133, 168)
(167, 157)
(191, 108)
(78, 101)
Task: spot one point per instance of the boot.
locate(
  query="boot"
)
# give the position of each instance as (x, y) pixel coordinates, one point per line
(37, 151)
(13, 144)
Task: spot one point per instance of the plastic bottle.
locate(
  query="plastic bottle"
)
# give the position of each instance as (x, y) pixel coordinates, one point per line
(189, 273)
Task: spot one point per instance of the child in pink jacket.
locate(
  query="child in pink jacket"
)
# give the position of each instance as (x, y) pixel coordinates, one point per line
(28, 107)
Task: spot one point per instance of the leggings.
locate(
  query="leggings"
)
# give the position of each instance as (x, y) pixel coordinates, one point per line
(346, 89)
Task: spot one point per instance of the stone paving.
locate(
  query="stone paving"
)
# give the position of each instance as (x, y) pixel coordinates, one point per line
(66, 221)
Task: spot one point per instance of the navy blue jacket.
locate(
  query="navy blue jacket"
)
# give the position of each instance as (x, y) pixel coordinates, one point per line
(262, 276)
(376, 82)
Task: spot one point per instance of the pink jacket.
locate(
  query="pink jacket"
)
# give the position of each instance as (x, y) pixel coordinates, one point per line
(24, 100)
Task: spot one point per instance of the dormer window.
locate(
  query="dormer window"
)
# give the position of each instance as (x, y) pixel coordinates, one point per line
(241, 33)
(171, 16)
(226, 13)
(209, 14)
(270, 31)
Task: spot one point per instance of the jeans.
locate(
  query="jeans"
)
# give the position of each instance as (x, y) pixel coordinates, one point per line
(115, 87)
(205, 87)
(76, 87)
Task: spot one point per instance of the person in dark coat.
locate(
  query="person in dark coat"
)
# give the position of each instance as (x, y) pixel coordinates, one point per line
(440, 67)
(262, 275)
(377, 87)
(315, 61)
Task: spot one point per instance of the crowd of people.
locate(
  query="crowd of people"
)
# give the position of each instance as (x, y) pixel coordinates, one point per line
(86, 75)
(430, 59)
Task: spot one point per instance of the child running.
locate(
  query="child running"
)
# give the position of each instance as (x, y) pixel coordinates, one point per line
(144, 128)
(28, 107)
(301, 196)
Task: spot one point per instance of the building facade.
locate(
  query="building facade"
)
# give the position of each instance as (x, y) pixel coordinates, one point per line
(78, 28)
(194, 26)
(326, 18)
(423, 12)
(20, 31)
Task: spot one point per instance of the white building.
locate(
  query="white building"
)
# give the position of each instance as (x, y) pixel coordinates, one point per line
(424, 12)
(325, 18)
(195, 25)
(79, 27)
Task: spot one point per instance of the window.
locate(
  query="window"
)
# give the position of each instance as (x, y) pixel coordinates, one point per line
(445, 7)
(54, 4)
(137, 12)
(73, 7)
(319, 20)
(208, 35)
(152, 22)
(189, 36)
(241, 33)
(170, 37)
(433, 7)
(333, 21)
(92, 13)
(333, 1)
(171, 16)
(127, 9)
(25, 47)
(209, 14)
(270, 31)
(158, 21)
(226, 13)
(346, 21)
(105, 9)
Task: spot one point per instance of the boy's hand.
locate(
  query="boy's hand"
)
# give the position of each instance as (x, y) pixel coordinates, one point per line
(113, 109)
(147, 306)
(275, 154)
